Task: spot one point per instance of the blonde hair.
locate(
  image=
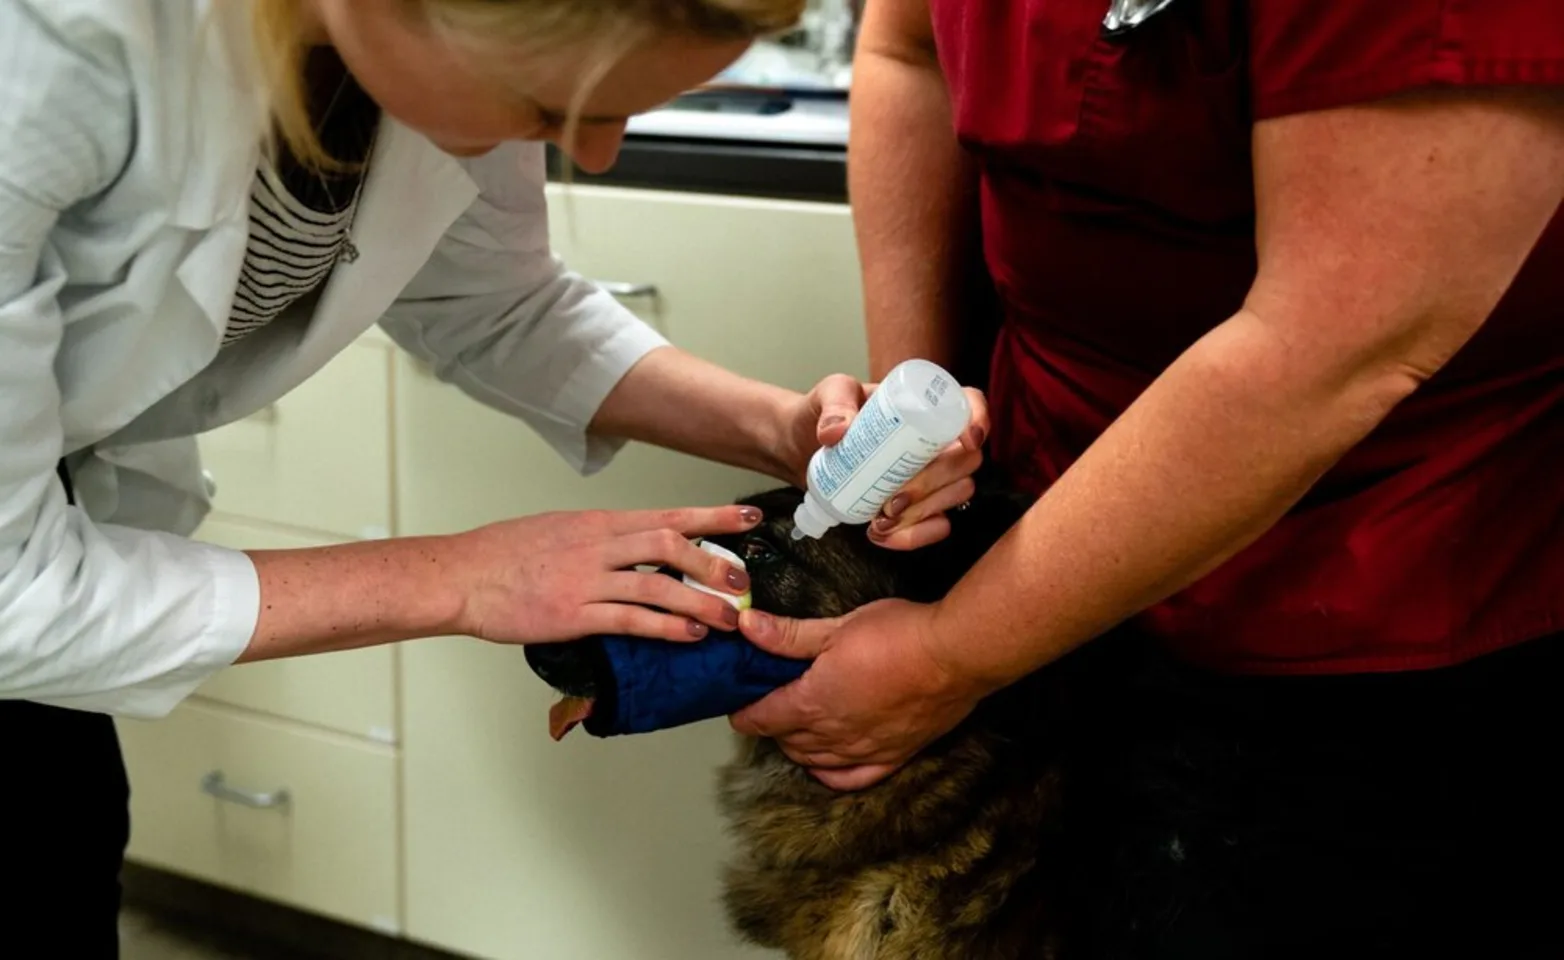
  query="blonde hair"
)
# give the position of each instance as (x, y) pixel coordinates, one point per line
(614, 26)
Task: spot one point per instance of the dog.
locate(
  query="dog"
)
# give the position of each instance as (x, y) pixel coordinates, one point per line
(953, 856)
(962, 854)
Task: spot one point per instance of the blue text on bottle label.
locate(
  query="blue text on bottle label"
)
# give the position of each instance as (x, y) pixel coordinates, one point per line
(879, 454)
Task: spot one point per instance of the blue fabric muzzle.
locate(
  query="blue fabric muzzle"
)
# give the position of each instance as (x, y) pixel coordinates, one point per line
(645, 685)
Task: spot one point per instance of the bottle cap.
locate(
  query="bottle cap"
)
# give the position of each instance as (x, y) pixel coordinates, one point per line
(810, 519)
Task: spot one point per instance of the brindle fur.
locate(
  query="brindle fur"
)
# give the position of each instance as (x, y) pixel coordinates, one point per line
(949, 858)
(958, 856)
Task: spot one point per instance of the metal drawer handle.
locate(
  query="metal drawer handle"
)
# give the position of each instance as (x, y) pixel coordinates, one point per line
(628, 290)
(215, 784)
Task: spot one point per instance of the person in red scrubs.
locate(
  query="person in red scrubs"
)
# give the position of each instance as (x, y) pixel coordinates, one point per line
(1280, 344)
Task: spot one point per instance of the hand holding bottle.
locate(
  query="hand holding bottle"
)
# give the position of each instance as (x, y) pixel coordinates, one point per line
(902, 461)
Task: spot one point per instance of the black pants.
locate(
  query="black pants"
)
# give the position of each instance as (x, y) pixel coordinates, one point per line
(64, 813)
(1396, 815)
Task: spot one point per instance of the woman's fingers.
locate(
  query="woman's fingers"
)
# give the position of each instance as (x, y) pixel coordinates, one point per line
(853, 779)
(947, 497)
(629, 620)
(960, 459)
(810, 750)
(955, 463)
(977, 429)
(843, 774)
(666, 547)
(689, 521)
(839, 397)
(814, 760)
(658, 590)
(924, 522)
(915, 537)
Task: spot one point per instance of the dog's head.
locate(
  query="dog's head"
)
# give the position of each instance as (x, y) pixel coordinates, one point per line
(929, 856)
(781, 814)
(843, 570)
(829, 577)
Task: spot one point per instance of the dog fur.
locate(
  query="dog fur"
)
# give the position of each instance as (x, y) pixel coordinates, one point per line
(951, 857)
(964, 853)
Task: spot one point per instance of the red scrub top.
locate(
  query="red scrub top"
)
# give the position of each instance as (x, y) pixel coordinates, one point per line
(1118, 211)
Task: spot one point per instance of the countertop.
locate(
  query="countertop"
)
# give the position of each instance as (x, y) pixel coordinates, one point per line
(724, 167)
(745, 141)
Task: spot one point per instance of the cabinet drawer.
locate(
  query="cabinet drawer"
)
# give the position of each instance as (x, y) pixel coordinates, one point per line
(329, 846)
(352, 691)
(317, 458)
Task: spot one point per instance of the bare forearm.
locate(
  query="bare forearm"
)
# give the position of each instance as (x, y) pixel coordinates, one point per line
(354, 595)
(913, 190)
(1387, 234)
(679, 401)
(1208, 459)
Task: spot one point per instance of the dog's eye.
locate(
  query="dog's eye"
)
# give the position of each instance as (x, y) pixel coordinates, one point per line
(756, 550)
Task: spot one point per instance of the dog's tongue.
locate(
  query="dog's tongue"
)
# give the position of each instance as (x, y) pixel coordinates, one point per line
(565, 715)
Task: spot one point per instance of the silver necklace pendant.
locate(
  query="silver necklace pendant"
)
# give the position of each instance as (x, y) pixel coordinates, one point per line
(349, 251)
(1125, 15)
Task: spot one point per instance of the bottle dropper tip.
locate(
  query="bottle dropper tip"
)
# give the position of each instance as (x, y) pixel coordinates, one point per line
(798, 533)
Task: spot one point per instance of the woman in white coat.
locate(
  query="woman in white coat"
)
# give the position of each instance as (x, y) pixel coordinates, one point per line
(201, 202)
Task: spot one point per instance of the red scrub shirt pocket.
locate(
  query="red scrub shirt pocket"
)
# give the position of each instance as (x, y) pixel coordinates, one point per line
(1165, 112)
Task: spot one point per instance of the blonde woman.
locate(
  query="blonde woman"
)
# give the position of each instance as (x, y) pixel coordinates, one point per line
(201, 203)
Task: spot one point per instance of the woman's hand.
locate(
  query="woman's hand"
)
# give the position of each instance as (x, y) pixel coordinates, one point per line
(915, 517)
(562, 576)
(873, 698)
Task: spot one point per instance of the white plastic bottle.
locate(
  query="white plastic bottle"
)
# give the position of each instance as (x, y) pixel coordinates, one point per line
(917, 410)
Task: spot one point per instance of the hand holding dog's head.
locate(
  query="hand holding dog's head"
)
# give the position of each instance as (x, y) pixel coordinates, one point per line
(842, 571)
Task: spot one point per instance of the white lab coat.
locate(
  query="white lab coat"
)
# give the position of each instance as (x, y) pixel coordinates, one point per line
(128, 141)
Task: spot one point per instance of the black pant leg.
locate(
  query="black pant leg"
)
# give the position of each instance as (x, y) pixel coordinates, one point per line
(1378, 816)
(64, 810)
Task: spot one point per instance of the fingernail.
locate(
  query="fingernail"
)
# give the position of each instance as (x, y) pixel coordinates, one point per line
(896, 506)
(738, 579)
(730, 617)
(750, 515)
(882, 525)
(832, 421)
(697, 629)
(979, 434)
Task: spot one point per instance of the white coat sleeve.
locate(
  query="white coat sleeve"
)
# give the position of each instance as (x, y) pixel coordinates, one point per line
(497, 314)
(92, 617)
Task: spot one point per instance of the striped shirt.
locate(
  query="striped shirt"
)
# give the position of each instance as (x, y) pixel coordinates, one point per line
(291, 251)
(300, 218)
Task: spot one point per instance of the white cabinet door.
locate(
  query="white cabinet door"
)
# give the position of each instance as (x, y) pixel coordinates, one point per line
(319, 458)
(517, 847)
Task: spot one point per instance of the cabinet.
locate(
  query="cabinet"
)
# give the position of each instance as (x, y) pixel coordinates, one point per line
(518, 847)
(280, 779)
(273, 809)
(317, 459)
(423, 795)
